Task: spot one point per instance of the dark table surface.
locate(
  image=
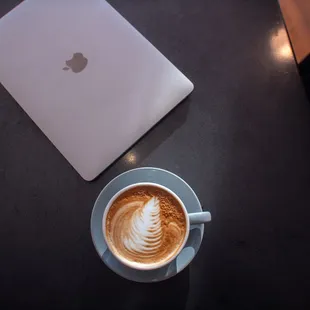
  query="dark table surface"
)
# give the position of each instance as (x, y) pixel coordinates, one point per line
(242, 140)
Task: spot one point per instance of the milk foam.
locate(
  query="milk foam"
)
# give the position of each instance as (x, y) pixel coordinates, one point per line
(144, 234)
(145, 228)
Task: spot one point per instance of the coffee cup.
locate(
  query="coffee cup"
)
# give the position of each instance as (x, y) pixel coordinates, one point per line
(146, 225)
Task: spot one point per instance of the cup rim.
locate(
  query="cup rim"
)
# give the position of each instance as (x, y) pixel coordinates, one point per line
(139, 266)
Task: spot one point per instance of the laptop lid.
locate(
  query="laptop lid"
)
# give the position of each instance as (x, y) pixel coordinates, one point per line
(91, 82)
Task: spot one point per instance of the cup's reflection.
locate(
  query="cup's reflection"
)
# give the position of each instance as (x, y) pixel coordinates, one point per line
(131, 157)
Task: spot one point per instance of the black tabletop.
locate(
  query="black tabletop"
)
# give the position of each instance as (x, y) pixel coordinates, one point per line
(241, 140)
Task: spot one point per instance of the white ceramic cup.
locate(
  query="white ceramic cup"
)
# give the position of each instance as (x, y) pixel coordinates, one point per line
(191, 219)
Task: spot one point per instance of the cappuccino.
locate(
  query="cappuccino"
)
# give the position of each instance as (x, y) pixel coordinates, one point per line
(145, 225)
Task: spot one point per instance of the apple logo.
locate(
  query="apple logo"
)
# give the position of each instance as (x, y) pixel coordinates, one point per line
(77, 63)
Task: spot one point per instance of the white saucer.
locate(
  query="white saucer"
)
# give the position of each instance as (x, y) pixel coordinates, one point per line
(162, 177)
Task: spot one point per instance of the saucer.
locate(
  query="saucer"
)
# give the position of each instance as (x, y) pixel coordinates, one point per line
(174, 183)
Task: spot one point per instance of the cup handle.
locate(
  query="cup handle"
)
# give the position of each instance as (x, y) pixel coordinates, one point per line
(199, 217)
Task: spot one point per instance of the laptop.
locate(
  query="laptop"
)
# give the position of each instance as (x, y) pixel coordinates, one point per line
(91, 82)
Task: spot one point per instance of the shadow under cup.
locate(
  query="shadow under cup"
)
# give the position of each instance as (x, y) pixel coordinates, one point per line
(134, 264)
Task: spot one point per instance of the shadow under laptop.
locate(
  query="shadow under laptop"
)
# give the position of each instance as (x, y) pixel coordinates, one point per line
(149, 142)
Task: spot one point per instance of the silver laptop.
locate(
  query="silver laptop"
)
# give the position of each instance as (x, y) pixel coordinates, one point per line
(91, 82)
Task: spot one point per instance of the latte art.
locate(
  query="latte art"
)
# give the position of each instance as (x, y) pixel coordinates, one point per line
(145, 225)
(145, 233)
